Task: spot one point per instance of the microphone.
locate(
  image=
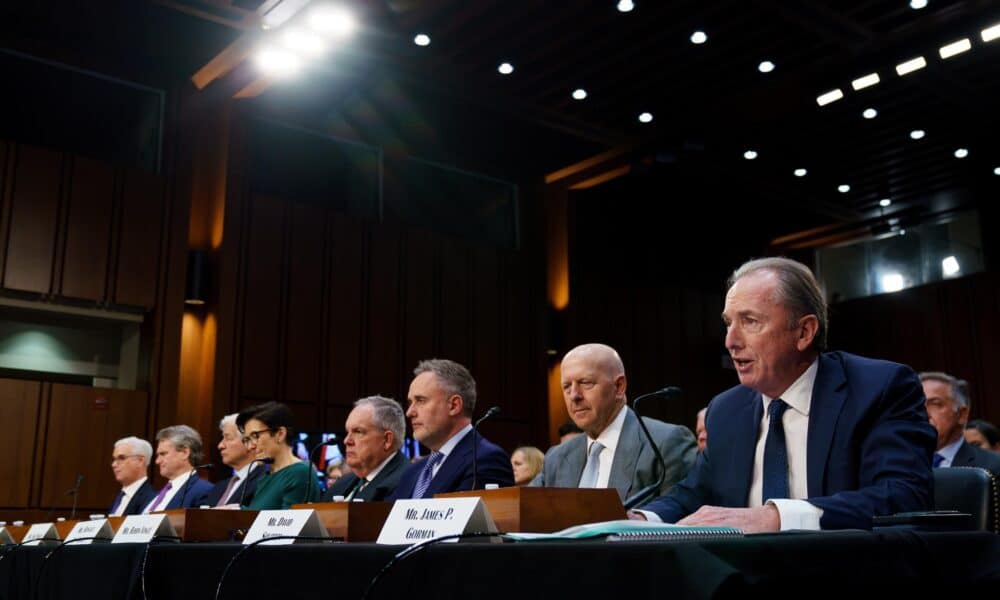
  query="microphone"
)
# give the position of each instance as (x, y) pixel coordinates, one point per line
(648, 491)
(75, 492)
(493, 410)
(246, 482)
(190, 481)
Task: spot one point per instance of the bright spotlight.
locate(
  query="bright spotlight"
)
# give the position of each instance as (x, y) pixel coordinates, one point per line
(422, 39)
(950, 266)
(892, 282)
(333, 20)
(278, 62)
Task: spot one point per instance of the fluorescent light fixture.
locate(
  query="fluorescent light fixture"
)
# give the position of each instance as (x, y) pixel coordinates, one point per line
(950, 266)
(800, 172)
(645, 117)
(505, 68)
(699, 37)
(333, 20)
(579, 94)
(962, 45)
(869, 113)
(917, 134)
(625, 5)
(750, 154)
(991, 33)
(892, 282)
(961, 153)
(278, 62)
(918, 4)
(765, 66)
(914, 64)
(422, 39)
(866, 81)
(884, 202)
(303, 42)
(843, 188)
(828, 97)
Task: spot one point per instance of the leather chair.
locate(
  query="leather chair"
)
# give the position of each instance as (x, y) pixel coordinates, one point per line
(968, 490)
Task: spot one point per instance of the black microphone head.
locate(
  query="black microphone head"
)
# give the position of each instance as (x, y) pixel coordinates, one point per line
(204, 466)
(267, 460)
(79, 479)
(671, 390)
(332, 441)
(493, 411)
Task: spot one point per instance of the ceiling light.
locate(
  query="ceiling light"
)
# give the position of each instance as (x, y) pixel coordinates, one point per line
(961, 153)
(918, 4)
(991, 33)
(422, 39)
(866, 81)
(505, 68)
(996, 171)
(949, 50)
(892, 282)
(750, 154)
(579, 94)
(645, 117)
(843, 188)
(765, 66)
(914, 64)
(828, 97)
(949, 266)
(625, 5)
(902, 232)
(278, 62)
(699, 37)
(917, 134)
(869, 113)
(884, 202)
(304, 42)
(800, 172)
(332, 19)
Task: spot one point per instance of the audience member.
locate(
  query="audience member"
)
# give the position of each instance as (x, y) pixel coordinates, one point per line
(700, 433)
(526, 462)
(983, 434)
(568, 431)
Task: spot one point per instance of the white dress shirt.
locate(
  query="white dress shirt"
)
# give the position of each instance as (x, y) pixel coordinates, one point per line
(448, 447)
(949, 452)
(129, 491)
(175, 486)
(241, 476)
(608, 439)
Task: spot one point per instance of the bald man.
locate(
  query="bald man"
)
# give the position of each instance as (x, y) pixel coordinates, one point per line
(593, 384)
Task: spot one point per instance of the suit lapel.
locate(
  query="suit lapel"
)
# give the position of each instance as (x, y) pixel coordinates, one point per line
(828, 397)
(626, 455)
(573, 462)
(459, 456)
(747, 424)
(964, 457)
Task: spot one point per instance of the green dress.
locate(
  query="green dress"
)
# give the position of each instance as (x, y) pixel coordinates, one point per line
(292, 485)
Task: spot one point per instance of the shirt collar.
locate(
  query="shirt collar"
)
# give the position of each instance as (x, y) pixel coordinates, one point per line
(133, 487)
(448, 446)
(949, 451)
(178, 481)
(798, 396)
(243, 472)
(609, 437)
(374, 472)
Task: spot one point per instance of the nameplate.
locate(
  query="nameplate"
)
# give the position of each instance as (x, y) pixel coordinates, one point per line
(414, 521)
(276, 523)
(5, 537)
(141, 529)
(40, 533)
(88, 532)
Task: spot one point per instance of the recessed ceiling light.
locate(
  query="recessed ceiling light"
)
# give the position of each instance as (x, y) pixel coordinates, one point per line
(918, 4)
(843, 188)
(950, 266)
(828, 97)
(422, 39)
(949, 50)
(505, 68)
(645, 117)
(699, 37)
(991, 33)
(884, 202)
(961, 153)
(869, 113)
(625, 5)
(800, 172)
(917, 134)
(996, 171)
(278, 62)
(750, 154)
(765, 66)
(332, 19)
(914, 64)
(579, 94)
(865, 81)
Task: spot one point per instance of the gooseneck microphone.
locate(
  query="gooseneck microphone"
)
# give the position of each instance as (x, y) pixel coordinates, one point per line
(475, 443)
(246, 482)
(75, 492)
(331, 441)
(648, 491)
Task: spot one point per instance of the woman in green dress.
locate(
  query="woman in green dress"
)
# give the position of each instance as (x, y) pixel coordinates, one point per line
(268, 431)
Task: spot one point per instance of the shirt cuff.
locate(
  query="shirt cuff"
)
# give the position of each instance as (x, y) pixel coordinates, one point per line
(797, 514)
(651, 516)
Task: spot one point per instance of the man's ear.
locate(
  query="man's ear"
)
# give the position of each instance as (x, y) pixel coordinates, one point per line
(805, 332)
(455, 405)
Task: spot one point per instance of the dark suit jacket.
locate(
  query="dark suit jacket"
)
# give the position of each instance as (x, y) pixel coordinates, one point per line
(192, 496)
(379, 488)
(868, 452)
(455, 473)
(143, 496)
(971, 456)
(250, 484)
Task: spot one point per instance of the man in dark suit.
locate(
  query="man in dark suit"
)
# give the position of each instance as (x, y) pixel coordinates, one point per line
(441, 400)
(130, 464)
(178, 451)
(809, 440)
(375, 431)
(241, 485)
(948, 409)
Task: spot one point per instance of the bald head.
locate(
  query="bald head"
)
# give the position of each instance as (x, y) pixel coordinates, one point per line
(599, 356)
(593, 384)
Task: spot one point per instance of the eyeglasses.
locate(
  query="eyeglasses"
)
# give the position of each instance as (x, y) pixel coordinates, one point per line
(254, 436)
(123, 457)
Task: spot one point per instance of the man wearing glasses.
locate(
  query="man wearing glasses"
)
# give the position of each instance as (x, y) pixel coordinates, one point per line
(130, 463)
(231, 491)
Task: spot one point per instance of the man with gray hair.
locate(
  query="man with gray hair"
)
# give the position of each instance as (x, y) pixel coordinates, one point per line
(442, 399)
(375, 428)
(240, 487)
(178, 452)
(130, 464)
(948, 410)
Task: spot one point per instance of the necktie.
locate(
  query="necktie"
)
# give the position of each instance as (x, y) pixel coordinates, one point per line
(359, 485)
(426, 474)
(159, 498)
(589, 477)
(117, 502)
(775, 454)
(938, 459)
(233, 482)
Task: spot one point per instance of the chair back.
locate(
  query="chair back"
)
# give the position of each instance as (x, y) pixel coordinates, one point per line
(969, 490)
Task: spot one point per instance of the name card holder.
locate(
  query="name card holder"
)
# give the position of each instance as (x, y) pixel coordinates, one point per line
(41, 534)
(5, 537)
(88, 532)
(276, 523)
(141, 529)
(414, 521)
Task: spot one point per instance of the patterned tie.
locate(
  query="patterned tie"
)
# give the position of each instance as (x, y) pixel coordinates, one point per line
(775, 454)
(938, 459)
(359, 485)
(159, 498)
(117, 502)
(233, 482)
(426, 474)
(589, 477)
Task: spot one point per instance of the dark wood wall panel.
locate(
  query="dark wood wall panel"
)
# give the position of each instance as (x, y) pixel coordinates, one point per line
(20, 410)
(382, 357)
(419, 317)
(522, 352)
(455, 294)
(304, 343)
(485, 306)
(33, 220)
(346, 309)
(88, 230)
(140, 233)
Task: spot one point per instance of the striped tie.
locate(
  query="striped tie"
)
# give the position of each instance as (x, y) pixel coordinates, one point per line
(426, 475)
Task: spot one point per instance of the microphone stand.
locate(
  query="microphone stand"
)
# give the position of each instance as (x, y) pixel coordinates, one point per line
(475, 443)
(648, 491)
(312, 471)
(246, 482)
(75, 491)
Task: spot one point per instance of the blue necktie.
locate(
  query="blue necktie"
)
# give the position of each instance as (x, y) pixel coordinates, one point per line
(775, 454)
(118, 500)
(590, 470)
(426, 474)
(938, 459)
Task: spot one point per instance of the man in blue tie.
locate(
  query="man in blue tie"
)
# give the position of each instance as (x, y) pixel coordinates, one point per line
(130, 464)
(810, 439)
(948, 409)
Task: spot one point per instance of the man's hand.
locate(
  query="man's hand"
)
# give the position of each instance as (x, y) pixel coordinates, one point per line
(635, 515)
(750, 520)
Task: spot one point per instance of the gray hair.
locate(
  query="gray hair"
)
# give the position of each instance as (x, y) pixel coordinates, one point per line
(453, 377)
(798, 291)
(139, 446)
(959, 387)
(226, 420)
(387, 415)
(182, 436)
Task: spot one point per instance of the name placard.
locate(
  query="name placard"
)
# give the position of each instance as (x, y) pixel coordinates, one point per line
(5, 537)
(41, 533)
(85, 532)
(141, 529)
(414, 521)
(274, 523)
